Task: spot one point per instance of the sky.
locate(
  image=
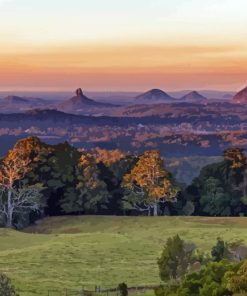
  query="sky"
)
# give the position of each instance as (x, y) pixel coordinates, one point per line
(129, 45)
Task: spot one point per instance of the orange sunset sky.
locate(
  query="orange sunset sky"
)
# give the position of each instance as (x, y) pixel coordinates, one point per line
(123, 45)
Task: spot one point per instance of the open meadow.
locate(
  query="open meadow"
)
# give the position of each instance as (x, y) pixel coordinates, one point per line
(83, 251)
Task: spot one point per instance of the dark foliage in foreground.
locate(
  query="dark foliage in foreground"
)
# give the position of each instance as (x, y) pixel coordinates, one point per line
(220, 275)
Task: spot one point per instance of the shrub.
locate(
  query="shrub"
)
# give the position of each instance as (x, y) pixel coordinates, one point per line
(123, 289)
(220, 251)
(175, 259)
(6, 288)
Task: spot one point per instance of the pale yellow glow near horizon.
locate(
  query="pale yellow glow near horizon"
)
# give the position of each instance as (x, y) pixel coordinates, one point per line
(123, 45)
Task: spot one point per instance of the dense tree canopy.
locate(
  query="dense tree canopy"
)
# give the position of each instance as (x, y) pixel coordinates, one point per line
(88, 193)
(65, 180)
(220, 189)
(214, 200)
(72, 181)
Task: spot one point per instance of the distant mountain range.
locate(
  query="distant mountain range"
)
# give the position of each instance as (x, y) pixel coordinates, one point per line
(82, 104)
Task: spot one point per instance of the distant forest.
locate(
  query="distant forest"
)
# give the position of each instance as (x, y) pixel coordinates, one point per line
(38, 180)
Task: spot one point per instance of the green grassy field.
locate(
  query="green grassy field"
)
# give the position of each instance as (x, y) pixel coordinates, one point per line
(75, 252)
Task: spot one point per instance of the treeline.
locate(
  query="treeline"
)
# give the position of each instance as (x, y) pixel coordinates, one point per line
(220, 188)
(37, 179)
